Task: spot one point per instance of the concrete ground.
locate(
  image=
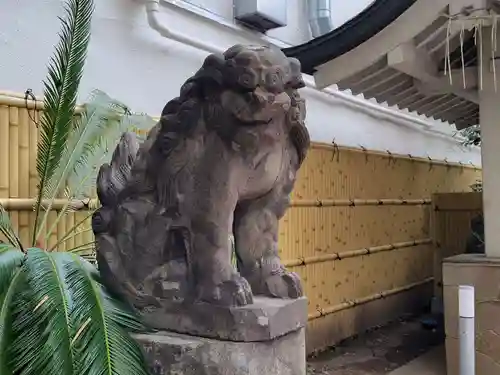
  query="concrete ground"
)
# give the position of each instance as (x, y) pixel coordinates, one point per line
(431, 363)
(406, 347)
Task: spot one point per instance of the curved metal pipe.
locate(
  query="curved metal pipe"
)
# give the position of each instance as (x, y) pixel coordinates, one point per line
(320, 17)
(152, 11)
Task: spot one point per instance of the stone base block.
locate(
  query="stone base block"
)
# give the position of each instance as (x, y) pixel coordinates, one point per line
(484, 274)
(265, 319)
(178, 354)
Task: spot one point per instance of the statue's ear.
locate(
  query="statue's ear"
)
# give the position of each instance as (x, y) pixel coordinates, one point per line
(296, 80)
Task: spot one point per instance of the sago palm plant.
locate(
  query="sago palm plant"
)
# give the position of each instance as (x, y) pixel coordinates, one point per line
(56, 317)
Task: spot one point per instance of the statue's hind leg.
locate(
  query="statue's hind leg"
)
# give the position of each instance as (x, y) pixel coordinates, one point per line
(256, 239)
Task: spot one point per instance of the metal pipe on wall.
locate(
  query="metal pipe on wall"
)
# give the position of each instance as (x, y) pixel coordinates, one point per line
(320, 17)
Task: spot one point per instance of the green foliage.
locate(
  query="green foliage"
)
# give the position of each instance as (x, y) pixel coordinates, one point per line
(103, 122)
(56, 317)
(60, 93)
(95, 134)
(471, 135)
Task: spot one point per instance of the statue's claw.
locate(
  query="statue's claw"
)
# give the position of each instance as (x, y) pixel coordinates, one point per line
(233, 292)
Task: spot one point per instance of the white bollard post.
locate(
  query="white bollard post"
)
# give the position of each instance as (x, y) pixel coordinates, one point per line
(466, 330)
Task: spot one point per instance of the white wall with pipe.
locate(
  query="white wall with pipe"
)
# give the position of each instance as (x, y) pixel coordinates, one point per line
(134, 63)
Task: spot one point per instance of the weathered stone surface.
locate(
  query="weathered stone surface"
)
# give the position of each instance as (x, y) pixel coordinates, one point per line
(176, 354)
(222, 160)
(265, 319)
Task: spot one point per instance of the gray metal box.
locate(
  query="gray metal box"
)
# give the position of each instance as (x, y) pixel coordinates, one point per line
(261, 15)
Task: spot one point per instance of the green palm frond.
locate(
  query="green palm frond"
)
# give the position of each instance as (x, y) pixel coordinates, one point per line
(57, 318)
(7, 230)
(11, 291)
(118, 119)
(89, 146)
(140, 123)
(102, 324)
(48, 313)
(10, 259)
(60, 92)
(81, 142)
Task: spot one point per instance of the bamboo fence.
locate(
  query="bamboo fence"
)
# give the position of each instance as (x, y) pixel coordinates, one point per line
(358, 230)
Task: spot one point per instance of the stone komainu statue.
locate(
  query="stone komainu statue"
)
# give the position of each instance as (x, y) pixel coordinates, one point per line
(222, 159)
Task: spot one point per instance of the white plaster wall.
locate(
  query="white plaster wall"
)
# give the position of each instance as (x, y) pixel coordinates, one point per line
(133, 63)
(297, 30)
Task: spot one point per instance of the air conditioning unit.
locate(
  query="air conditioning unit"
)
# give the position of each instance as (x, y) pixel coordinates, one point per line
(260, 15)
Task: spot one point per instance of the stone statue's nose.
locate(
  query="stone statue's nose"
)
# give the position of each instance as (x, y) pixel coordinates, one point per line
(263, 97)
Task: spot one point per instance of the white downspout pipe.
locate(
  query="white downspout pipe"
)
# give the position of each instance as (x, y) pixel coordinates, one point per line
(152, 11)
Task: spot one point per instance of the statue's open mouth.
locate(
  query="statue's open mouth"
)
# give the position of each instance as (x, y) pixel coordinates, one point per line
(257, 107)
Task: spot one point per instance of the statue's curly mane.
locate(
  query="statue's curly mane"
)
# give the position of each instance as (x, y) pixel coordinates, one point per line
(200, 109)
(243, 70)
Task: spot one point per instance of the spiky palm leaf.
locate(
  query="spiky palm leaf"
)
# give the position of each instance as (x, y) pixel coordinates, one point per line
(90, 145)
(115, 119)
(7, 230)
(10, 258)
(60, 92)
(61, 320)
(11, 282)
(99, 115)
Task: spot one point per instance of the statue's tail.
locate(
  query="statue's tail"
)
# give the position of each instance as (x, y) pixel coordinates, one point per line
(113, 177)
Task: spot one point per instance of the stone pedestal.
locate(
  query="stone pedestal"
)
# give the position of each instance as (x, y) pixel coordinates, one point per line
(266, 337)
(484, 274)
(265, 319)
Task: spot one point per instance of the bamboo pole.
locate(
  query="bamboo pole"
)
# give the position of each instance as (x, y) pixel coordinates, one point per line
(4, 150)
(61, 231)
(32, 171)
(77, 205)
(360, 301)
(354, 253)
(359, 202)
(24, 161)
(27, 204)
(13, 151)
(387, 154)
(18, 100)
(72, 220)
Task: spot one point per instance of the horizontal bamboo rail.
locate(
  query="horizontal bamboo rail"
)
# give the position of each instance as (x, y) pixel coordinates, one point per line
(359, 202)
(18, 100)
(354, 253)
(428, 160)
(26, 204)
(361, 301)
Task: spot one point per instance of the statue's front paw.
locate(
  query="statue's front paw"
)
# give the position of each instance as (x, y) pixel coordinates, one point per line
(283, 284)
(233, 292)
